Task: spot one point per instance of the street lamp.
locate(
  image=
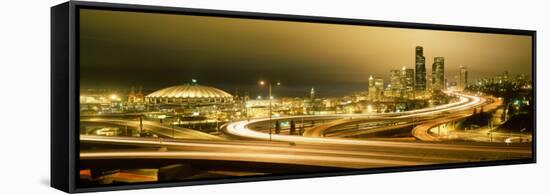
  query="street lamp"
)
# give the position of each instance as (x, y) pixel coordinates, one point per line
(262, 83)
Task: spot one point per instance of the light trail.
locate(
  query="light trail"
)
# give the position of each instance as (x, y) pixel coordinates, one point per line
(254, 146)
(159, 129)
(422, 131)
(240, 128)
(314, 151)
(313, 160)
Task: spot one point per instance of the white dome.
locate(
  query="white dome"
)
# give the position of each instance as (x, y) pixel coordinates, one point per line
(190, 91)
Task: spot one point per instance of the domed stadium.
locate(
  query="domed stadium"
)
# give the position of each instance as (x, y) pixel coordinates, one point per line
(189, 94)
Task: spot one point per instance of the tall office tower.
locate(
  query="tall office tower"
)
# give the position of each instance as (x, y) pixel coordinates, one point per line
(407, 79)
(463, 78)
(379, 85)
(429, 81)
(438, 74)
(376, 86)
(396, 83)
(420, 63)
(372, 89)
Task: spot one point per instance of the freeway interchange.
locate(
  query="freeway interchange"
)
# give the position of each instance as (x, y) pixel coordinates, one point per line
(333, 143)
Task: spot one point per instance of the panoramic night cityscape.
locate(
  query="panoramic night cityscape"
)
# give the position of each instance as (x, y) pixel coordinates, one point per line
(234, 102)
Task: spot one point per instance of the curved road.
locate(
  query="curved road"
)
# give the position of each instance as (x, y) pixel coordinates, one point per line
(241, 128)
(313, 151)
(374, 154)
(422, 131)
(166, 131)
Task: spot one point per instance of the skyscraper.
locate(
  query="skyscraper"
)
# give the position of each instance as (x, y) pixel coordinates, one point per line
(376, 87)
(463, 78)
(396, 83)
(420, 62)
(379, 85)
(429, 81)
(372, 89)
(396, 79)
(438, 74)
(407, 79)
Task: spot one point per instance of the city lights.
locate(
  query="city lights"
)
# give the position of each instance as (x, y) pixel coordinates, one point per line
(204, 108)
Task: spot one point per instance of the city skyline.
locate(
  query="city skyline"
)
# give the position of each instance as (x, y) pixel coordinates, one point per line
(244, 54)
(166, 98)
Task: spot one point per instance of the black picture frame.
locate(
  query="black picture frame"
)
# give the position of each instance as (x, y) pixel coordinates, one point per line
(65, 76)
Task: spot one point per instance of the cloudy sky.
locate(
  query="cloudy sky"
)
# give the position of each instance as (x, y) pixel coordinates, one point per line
(123, 49)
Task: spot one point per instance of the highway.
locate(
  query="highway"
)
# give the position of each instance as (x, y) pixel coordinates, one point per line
(320, 130)
(373, 154)
(252, 147)
(241, 128)
(154, 127)
(458, 109)
(422, 131)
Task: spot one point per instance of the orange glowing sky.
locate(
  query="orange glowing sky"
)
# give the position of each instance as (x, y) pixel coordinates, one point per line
(214, 50)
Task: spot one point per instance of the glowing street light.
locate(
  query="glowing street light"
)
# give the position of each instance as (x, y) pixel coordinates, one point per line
(262, 83)
(114, 97)
(369, 108)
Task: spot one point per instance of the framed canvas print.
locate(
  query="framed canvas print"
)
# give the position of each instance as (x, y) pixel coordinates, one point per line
(146, 96)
